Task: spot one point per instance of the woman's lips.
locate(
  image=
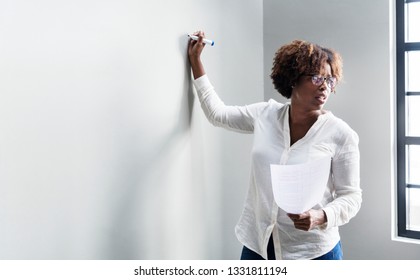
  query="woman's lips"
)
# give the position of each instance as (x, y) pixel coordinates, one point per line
(321, 98)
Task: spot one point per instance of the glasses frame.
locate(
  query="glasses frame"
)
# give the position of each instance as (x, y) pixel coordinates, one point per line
(318, 80)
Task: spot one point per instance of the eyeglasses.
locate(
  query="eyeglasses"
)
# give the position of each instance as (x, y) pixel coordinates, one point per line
(318, 80)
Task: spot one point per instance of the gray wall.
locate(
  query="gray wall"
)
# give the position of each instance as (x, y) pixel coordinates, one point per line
(360, 30)
(104, 151)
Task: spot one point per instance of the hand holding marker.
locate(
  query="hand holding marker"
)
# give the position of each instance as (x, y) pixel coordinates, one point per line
(205, 41)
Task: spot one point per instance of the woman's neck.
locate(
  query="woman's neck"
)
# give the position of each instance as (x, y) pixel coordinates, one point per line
(300, 121)
(299, 115)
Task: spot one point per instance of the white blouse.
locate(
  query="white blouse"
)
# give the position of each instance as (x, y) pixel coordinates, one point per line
(261, 217)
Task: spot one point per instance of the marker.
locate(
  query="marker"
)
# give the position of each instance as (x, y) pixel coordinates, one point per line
(206, 41)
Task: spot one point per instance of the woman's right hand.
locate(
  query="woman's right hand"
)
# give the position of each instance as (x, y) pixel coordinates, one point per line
(195, 48)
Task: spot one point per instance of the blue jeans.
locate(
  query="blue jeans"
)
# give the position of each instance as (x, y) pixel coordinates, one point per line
(247, 254)
(335, 254)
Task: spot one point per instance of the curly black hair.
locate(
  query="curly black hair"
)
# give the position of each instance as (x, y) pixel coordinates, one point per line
(299, 58)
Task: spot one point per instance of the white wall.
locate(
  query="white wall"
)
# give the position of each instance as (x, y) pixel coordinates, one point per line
(104, 151)
(360, 31)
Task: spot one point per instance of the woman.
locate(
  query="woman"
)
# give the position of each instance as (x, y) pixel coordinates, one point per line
(299, 131)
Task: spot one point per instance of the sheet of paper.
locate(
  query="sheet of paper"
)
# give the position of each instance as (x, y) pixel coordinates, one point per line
(297, 188)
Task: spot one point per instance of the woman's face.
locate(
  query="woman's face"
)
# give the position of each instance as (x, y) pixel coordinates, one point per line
(309, 95)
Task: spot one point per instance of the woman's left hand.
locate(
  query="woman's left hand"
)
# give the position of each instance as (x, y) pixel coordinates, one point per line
(309, 219)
